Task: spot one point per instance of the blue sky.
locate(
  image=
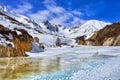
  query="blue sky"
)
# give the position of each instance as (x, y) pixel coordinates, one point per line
(66, 12)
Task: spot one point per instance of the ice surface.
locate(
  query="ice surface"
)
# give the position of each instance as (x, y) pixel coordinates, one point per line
(81, 51)
(82, 63)
(107, 71)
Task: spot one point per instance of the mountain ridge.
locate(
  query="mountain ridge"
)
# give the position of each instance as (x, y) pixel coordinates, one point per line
(21, 29)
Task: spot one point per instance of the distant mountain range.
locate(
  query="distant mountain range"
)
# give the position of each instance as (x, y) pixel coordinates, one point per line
(18, 30)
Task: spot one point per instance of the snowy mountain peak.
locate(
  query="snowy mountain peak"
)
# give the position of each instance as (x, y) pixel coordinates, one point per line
(46, 22)
(54, 29)
(49, 26)
(3, 8)
(96, 23)
(93, 21)
(88, 28)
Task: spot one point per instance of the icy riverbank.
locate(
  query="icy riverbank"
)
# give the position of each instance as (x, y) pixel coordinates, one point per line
(65, 63)
(83, 63)
(81, 50)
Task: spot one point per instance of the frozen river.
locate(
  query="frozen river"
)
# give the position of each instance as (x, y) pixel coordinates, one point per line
(78, 63)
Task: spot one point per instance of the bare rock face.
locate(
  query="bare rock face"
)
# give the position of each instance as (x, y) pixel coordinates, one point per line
(80, 40)
(108, 36)
(16, 44)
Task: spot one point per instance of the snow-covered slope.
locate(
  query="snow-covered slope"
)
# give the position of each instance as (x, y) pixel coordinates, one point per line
(54, 29)
(88, 28)
(46, 32)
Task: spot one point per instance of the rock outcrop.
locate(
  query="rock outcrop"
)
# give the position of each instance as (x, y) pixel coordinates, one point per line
(16, 44)
(108, 36)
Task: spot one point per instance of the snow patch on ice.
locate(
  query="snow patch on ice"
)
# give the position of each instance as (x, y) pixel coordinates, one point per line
(35, 48)
(108, 71)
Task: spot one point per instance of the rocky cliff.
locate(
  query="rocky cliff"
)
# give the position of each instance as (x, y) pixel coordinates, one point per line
(16, 42)
(108, 36)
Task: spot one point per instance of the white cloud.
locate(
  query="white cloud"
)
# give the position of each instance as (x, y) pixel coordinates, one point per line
(22, 9)
(57, 14)
(49, 2)
(55, 9)
(40, 16)
(61, 19)
(77, 12)
(77, 21)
